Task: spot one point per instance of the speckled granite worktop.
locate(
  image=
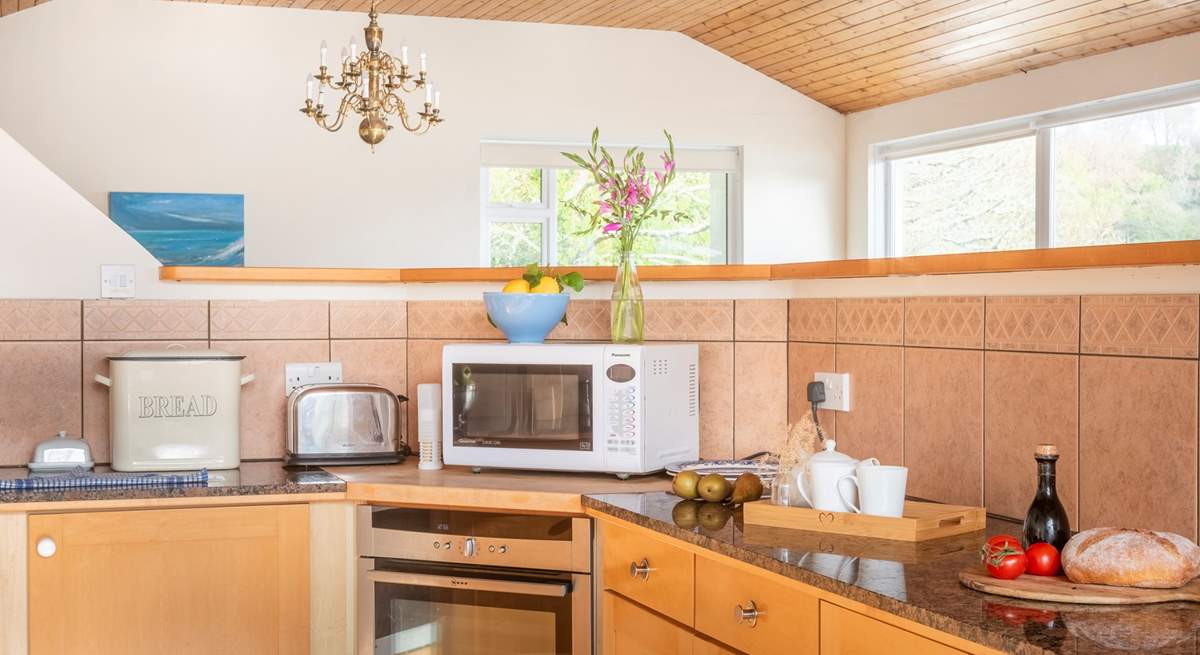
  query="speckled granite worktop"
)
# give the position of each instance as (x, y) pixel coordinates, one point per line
(919, 582)
(250, 479)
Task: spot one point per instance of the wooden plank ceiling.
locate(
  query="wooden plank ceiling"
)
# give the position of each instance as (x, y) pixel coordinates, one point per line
(848, 54)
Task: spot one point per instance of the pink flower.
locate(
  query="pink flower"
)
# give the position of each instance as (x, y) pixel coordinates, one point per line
(605, 208)
(668, 163)
(611, 227)
(658, 175)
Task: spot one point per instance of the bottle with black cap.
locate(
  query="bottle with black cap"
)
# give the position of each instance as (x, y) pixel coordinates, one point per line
(1046, 521)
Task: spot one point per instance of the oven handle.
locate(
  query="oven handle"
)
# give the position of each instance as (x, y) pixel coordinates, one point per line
(554, 589)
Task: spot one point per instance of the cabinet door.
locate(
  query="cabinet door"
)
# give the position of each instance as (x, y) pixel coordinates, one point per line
(630, 629)
(753, 612)
(649, 570)
(177, 581)
(844, 632)
(702, 646)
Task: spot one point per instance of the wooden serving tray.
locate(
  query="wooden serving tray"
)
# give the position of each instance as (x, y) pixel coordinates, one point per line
(921, 521)
(1058, 589)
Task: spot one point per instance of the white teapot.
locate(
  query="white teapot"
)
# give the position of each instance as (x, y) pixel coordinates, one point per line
(818, 484)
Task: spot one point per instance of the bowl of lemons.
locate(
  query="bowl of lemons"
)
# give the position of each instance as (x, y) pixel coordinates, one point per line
(531, 305)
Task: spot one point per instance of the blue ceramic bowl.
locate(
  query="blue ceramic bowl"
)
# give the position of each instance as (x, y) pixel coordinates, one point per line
(526, 317)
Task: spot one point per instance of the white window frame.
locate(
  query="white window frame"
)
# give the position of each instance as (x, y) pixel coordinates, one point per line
(884, 219)
(545, 212)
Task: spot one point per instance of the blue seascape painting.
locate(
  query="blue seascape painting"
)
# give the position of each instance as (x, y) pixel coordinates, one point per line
(184, 229)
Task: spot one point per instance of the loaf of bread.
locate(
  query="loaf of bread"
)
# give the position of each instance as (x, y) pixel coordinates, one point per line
(1131, 558)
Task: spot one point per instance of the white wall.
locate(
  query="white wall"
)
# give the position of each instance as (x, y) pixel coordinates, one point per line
(1140, 68)
(141, 95)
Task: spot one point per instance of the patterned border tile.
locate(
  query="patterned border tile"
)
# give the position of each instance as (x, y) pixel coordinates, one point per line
(1034, 323)
(944, 321)
(760, 320)
(39, 320)
(241, 320)
(812, 319)
(142, 320)
(368, 319)
(877, 321)
(1141, 325)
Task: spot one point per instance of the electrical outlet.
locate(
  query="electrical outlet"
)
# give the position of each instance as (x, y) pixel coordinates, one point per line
(837, 391)
(298, 375)
(116, 281)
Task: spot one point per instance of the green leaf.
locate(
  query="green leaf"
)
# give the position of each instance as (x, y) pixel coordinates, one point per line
(532, 275)
(572, 279)
(595, 137)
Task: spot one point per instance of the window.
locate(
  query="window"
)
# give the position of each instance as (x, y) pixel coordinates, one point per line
(527, 215)
(1125, 170)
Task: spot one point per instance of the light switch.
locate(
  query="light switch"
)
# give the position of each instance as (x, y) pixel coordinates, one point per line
(116, 281)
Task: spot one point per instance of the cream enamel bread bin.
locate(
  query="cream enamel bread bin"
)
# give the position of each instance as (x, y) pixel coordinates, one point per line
(174, 410)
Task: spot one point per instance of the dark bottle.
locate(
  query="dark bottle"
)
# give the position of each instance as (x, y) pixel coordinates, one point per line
(1046, 520)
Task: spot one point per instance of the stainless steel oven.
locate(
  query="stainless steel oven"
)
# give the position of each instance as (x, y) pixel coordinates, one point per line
(447, 582)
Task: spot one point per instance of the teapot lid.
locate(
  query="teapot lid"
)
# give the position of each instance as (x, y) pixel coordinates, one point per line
(831, 456)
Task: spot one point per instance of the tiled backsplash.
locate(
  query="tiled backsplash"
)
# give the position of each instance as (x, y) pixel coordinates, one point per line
(959, 389)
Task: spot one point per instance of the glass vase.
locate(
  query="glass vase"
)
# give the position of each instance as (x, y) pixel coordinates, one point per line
(628, 310)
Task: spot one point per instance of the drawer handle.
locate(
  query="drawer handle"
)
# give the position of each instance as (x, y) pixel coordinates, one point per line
(748, 614)
(640, 569)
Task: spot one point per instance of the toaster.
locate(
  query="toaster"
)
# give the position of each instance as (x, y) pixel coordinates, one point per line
(343, 423)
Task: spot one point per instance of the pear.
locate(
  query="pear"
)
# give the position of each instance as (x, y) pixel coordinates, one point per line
(685, 484)
(686, 514)
(747, 488)
(713, 488)
(713, 516)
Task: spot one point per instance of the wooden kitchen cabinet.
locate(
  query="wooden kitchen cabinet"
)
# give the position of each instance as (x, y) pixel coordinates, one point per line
(753, 612)
(630, 629)
(649, 570)
(845, 632)
(179, 581)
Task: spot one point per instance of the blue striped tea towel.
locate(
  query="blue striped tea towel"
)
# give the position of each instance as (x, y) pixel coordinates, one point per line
(80, 478)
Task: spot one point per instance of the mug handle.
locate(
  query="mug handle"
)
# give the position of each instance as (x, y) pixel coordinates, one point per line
(800, 487)
(849, 476)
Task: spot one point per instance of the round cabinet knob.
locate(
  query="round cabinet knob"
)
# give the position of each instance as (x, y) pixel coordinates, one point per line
(469, 548)
(46, 547)
(640, 569)
(748, 615)
(503, 549)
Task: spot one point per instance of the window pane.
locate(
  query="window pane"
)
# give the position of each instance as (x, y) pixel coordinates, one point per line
(1129, 179)
(515, 244)
(515, 186)
(970, 199)
(697, 236)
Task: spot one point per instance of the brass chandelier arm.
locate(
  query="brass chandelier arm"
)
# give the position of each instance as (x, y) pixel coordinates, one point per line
(343, 109)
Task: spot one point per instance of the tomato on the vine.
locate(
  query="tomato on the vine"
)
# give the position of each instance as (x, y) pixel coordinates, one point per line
(1003, 540)
(1003, 557)
(1042, 559)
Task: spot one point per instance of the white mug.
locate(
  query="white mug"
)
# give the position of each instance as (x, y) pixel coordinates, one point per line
(824, 484)
(880, 489)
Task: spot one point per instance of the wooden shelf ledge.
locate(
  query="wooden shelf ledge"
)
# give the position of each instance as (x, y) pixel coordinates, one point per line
(1141, 254)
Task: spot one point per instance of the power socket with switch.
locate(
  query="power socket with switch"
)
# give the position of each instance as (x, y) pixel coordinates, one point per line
(116, 281)
(298, 375)
(837, 391)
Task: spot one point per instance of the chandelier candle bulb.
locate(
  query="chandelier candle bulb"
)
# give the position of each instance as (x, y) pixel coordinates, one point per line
(324, 53)
(404, 55)
(437, 100)
(423, 61)
(353, 48)
(309, 87)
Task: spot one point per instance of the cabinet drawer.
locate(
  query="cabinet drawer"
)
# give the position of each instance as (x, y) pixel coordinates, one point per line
(630, 629)
(777, 618)
(648, 570)
(844, 632)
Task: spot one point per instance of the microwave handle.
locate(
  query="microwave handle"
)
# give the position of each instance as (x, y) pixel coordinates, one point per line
(554, 589)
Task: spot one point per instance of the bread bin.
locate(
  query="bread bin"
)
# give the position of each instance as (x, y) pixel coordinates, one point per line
(174, 410)
(344, 423)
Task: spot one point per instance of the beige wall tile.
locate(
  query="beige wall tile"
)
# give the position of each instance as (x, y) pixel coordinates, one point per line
(274, 320)
(943, 424)
(368, 319)
(39, 320)
(874, 426)
(944, 321)
(1037, 323)
(689, 320)
(716, 399)
(40, 388)
(374, 361)
(760, 396)
(805, 359)
(1149, 325)
(1137, 444)
(449, 319)
(141, 320)
(95, 395)
(1030, 399)
(812, 319)
(870, 320)
(760, 320)
(587, 320)
(263, 404)
(424, 366)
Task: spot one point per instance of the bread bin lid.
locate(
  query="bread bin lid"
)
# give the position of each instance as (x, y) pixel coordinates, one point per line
(176, 355)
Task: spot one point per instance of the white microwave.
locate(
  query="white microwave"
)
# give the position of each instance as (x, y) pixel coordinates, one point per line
(623, 409)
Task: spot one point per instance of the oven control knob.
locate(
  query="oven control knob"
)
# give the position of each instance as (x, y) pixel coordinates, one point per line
(469, 547)
(437, 545)
(446, 545)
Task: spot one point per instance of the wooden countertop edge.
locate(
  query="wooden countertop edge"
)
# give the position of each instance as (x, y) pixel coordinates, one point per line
(1042, 259)
(483, 499)
(174, 501)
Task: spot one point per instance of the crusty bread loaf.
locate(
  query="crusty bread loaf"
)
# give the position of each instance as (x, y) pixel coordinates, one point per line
(1131, 558)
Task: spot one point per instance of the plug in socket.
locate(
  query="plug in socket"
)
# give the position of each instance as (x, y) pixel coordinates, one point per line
(298, 375)
(837, 391)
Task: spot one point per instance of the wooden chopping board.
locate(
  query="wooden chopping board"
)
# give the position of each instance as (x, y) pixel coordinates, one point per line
(1059, 589)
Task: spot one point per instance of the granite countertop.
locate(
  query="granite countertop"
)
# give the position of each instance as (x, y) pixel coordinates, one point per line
(249, 479)
(919, 582)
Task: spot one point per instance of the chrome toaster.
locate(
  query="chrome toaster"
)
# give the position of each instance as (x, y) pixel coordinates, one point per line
(335, 424)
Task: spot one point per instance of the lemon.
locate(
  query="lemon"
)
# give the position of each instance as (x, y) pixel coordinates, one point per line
(546, 285)
(517, 286)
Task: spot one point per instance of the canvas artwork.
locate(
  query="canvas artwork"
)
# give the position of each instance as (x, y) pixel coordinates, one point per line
(184, 229)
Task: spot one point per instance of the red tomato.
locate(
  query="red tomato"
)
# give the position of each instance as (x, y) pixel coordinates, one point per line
(1003, 557)
(1042, 559)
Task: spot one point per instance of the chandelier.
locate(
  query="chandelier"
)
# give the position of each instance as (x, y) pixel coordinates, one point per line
(370, 83)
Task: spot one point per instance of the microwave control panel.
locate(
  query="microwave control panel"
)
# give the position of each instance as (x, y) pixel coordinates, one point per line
(622, 405)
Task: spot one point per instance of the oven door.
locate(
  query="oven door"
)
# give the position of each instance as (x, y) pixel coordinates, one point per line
(416, 608)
